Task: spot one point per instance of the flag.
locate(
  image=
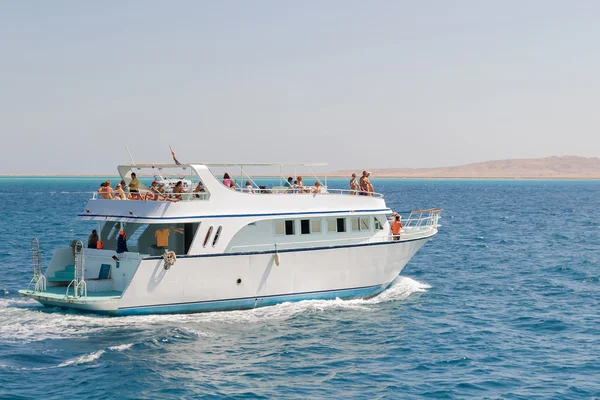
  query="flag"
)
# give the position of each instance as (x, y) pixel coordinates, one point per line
(174, 158)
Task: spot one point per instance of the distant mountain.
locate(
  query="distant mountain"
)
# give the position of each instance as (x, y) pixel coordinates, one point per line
(550, 167)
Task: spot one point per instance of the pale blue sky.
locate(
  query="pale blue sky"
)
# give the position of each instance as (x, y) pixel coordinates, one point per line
(358, 84)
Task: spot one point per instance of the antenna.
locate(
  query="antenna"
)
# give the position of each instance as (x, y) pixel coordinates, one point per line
(130, 156)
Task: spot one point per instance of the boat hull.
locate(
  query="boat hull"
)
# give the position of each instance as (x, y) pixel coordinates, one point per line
(245, 281)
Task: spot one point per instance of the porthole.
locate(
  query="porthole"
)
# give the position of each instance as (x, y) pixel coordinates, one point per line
(239, 281)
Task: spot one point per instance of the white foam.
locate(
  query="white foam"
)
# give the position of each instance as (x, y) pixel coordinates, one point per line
(121, 347)
(23, 321)
(86, 358)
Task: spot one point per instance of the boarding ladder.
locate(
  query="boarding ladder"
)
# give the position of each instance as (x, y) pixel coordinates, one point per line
(78, 283)
(38, 280)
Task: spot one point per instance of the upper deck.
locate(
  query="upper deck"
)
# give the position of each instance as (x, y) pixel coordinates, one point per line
(245, 198)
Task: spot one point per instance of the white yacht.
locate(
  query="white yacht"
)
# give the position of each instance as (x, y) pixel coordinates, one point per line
(226, 248)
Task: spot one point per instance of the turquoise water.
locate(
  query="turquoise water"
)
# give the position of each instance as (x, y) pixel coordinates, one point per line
(503, 303)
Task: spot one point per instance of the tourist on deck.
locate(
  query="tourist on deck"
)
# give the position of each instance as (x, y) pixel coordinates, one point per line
(316, 188)
(249, 188)
(178, 189)
(226, 180)
(134, 185)
(301, 186)
(370, 189)
(105, 192)
(124, 187)
(289, 185)
(199, 189)
(396, 227)
(93, 240)
(363, 185)
(354, 185)
(119, 193)
(110, 189)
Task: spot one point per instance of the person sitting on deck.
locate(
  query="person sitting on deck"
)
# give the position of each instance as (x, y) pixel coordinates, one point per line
(178, 189)
(124, 187)
(396, 227)
(249, 188)
(119, 193)
(316, 188)
(199, 189)
(93, 240)
(226, 180)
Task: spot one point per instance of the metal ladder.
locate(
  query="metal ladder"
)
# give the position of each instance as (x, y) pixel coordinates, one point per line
(38, 280)
(78, 283)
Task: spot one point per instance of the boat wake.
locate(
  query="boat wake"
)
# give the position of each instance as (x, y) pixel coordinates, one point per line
(23, 320)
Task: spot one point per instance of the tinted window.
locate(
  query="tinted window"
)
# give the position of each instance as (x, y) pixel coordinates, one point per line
(289, 227)
(341, 224)
(304, 227)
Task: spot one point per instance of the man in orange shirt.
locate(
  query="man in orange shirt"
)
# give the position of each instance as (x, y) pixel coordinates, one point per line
(396, 226)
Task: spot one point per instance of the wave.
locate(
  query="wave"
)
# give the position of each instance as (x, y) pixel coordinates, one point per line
(86, 358)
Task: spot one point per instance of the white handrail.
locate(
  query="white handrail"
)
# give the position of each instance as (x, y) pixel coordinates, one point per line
(306, 190)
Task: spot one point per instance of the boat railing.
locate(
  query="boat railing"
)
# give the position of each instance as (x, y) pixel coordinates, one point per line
(306, 190)
(147, 195)
(423, 219)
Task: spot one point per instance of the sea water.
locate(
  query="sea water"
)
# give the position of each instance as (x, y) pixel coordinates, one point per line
(503, 303)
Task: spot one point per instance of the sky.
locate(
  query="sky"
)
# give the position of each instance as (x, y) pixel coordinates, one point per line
(357, 84)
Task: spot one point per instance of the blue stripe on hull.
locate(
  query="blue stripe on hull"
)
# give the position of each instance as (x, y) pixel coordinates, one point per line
(254, 302)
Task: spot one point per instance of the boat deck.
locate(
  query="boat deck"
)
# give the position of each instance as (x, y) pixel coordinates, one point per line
(58, 293)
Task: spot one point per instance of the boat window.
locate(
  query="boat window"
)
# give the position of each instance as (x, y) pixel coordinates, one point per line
(360, 223)
(315, 226)
(305, 226)
(341, 224)
(135, 235)
(289, 227)
(378, 226)
(331, 225)
(279, 228)
(217, 235)
(208, 233)
(364, 224)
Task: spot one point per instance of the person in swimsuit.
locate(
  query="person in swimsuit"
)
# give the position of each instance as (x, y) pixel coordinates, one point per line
(354, 185)
(119, 193)
(178, 189)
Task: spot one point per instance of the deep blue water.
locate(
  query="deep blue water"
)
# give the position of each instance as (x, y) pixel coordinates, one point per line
(503, 303)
